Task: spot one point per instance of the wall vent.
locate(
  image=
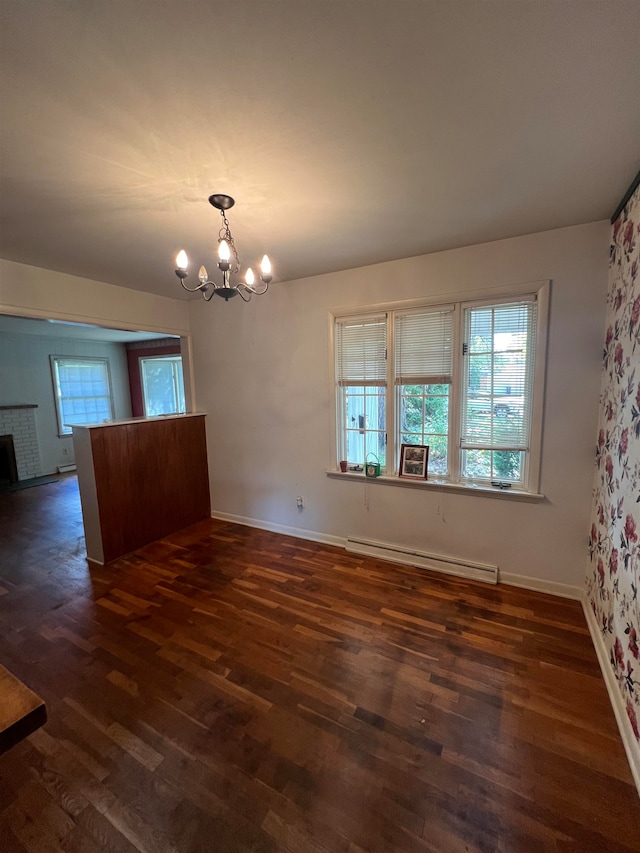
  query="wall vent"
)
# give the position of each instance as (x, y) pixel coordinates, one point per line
(64, 469)
(423, 559)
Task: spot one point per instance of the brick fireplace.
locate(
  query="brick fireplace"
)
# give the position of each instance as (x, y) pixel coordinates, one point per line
(21, 454)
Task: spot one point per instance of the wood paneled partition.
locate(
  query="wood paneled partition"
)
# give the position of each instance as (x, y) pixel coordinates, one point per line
(140, 480)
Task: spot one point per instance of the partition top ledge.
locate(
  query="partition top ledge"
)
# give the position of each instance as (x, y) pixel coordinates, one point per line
(154, 419)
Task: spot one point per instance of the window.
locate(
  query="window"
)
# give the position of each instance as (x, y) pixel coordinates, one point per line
(361, 370)
(499, 356)
(162, 385)
(423, 374)
(82, 391)
(464, 378)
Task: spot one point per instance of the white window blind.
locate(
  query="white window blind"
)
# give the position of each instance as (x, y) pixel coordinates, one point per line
(361, 350)
(424, 348)
(82, 391)
(499, 357)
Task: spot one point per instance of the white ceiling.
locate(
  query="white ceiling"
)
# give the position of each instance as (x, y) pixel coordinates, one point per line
(349, 132)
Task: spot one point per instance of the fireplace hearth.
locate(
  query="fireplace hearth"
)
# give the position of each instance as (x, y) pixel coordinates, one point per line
(8, 463)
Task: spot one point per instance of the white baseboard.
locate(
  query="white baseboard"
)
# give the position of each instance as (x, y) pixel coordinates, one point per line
(64, 469)
(562, 590)
(298, 532)
(631, 745)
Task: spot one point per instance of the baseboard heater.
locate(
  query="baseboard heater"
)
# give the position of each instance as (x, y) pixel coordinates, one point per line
(423, 560)
(64, 469)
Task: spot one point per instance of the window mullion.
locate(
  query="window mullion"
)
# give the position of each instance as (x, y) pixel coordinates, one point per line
(391, 410)
(455, 405)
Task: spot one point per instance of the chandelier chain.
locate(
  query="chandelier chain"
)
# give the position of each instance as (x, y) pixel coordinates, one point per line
(225, 234)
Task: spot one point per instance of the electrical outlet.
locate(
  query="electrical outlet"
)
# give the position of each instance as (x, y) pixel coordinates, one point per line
(300, 502)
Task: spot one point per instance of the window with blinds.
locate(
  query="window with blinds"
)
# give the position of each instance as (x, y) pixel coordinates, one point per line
(497, 391)
(499, 357)
(423, 373)
(82, 391)
(424, 348)
(465, 379)
(361, 379)
(361, 351)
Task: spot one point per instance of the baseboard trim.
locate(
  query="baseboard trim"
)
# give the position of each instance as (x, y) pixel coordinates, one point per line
(298, 532)
(561, 590)
(535, 584)
(631, 745)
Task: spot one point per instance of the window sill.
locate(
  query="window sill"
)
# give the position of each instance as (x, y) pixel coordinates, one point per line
(439, 485)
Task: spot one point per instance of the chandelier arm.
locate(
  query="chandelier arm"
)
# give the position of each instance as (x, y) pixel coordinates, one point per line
(247, 297)
(254, 289)
(210, 296)
(194, 289)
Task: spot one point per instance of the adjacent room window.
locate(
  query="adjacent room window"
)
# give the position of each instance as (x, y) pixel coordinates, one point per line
(463, 378)
(162, 385)
(82, 390)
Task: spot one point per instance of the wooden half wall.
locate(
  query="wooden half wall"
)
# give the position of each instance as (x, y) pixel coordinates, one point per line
(140, 480)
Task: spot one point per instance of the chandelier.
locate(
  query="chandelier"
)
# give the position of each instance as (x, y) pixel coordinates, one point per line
(228, 264)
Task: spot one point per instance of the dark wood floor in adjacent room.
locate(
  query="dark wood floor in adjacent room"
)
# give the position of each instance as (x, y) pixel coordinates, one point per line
(229, 689)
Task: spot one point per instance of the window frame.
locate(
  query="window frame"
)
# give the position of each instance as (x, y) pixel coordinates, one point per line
(367, 383)
(54, 360)
(538, 290)
(174, 358)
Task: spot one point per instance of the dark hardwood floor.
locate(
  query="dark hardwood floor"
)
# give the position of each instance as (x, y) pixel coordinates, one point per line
(228, 689)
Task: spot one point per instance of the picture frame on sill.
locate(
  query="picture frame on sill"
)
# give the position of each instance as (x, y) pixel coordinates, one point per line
(414, 461)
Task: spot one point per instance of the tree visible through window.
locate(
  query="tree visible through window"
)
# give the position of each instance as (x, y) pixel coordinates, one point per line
(459, 378)
(497, 390)
(162, 385)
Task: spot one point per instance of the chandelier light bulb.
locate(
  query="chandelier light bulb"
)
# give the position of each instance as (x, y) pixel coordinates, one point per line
(249, 277)
(202, 275)
(224, 252)
(182, 261)
(265, 266)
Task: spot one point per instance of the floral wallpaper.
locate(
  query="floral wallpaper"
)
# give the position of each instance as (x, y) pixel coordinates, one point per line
(613, 573)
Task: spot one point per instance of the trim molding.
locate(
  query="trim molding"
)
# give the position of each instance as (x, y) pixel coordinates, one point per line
(298, 532)
(631, 745)
(562, 590)
(634, 184)
(522, 581)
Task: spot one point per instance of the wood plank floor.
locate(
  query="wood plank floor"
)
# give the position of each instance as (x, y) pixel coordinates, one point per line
(229, 689)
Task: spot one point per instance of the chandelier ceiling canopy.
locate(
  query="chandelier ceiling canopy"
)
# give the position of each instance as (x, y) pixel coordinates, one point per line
(228, 264)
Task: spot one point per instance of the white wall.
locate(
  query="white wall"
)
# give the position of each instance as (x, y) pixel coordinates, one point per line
(25, 377)
(34, 292)
(262, 374)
